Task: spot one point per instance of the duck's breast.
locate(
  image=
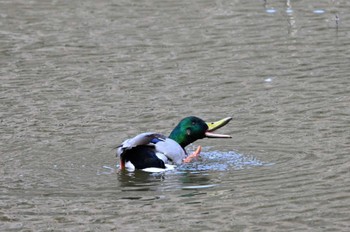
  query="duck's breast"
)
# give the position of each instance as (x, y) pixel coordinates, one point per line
(171, 149)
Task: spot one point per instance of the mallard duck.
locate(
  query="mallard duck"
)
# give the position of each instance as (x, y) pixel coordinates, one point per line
(154, 150)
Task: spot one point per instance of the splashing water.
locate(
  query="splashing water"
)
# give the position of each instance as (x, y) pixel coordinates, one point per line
(222, 161)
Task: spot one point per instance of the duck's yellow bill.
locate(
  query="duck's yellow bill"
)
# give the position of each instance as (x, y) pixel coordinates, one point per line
(212, 126)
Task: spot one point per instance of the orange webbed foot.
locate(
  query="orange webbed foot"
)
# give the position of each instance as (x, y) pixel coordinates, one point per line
(194, 155)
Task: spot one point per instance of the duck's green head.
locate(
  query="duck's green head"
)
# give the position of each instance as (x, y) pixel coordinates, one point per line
(192, 128)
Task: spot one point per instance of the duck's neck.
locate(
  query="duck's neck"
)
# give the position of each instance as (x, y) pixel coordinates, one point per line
(180, 137)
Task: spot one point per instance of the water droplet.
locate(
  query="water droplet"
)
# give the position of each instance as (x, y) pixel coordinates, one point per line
(319, 11)
(271, 11)
(289, 11)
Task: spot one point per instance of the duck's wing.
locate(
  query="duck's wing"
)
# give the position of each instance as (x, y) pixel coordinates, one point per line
(138, 140)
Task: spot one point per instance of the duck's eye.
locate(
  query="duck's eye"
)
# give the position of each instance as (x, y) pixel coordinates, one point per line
(193, 123)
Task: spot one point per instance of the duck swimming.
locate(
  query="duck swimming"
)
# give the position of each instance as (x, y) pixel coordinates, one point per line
(154, 150)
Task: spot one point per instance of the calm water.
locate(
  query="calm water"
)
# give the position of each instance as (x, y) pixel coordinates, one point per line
(79, 77)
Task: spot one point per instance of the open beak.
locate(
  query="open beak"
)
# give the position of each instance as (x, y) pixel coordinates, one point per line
(213, 126)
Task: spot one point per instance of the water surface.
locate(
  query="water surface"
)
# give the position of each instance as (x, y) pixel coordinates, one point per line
(79, 77)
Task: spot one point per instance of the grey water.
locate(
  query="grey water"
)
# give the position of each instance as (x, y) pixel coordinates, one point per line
(79, 77)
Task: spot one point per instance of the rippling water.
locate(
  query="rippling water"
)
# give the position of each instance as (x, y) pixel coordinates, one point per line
(79, 77)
